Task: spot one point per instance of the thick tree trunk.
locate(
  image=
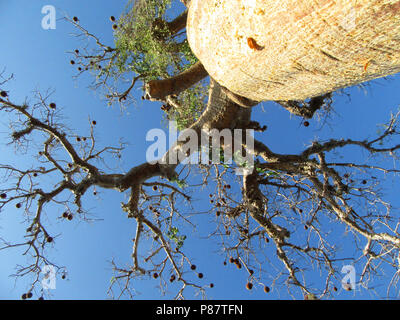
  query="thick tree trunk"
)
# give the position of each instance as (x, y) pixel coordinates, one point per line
(294, 49)
(160, 89)
(173, 26)
(178, 23)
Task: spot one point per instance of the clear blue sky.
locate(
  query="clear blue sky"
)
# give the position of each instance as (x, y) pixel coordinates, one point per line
(38, 59)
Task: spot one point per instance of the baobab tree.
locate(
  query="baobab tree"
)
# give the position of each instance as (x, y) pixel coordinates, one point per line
(289, 201)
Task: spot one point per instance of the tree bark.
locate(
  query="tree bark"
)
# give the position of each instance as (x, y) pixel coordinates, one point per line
(220, 113)
(160, 89)
(186, 3)
(294, 49)
(178, 23)
(173, 26)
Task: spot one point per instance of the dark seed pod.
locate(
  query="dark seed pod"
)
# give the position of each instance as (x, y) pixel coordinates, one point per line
(348, 287)
(249, 286)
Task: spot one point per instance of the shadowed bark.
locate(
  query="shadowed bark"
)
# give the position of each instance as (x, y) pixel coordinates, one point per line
(160, 89)
(162, 29)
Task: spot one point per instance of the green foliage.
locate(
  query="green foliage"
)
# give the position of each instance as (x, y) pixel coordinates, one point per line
(267, 173)
(240, 162)
(173, 234)
(139, 49)
(181, 183)
(146, 48)
(236, 157)
(193, 102)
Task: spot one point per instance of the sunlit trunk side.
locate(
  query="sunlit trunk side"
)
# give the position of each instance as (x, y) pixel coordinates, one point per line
(291, 49)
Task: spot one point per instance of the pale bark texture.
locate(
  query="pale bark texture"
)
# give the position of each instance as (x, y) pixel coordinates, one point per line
(294, 50)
